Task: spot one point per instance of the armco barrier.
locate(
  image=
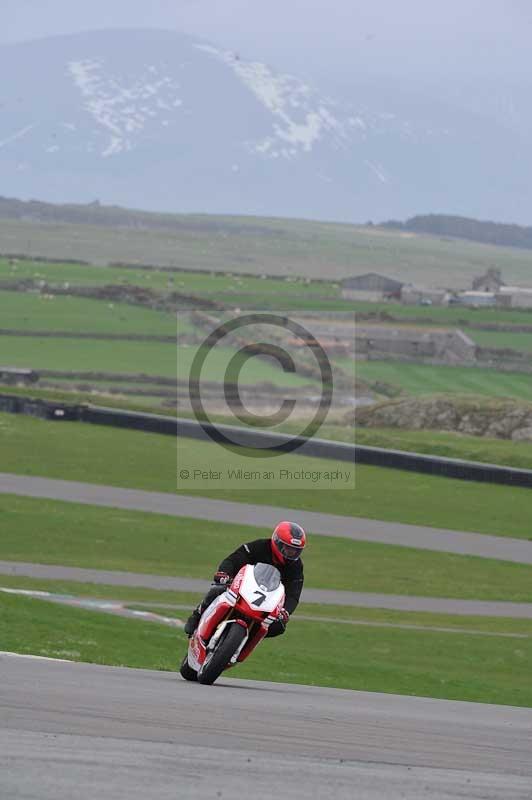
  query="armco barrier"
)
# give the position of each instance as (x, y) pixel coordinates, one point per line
(252, 438)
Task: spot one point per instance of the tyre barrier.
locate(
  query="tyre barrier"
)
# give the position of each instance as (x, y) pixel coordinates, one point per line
(252, 438)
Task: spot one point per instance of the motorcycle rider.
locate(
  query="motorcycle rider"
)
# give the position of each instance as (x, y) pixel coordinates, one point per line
(283, 550)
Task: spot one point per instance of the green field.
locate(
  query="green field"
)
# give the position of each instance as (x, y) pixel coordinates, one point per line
(502, 339)
(458, 316)
(188, 282)
(289, 293)
(424, 379)
(149, 358)
(68, 534)
(80, 355)
(26, 311)
(427, 663)
(148, 461)
(234, 289)
(271, 246)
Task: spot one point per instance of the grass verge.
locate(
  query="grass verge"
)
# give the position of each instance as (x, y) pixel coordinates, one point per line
(101, 455)
(52, 532)
(169, 603)
(441, 443)
(424, 663)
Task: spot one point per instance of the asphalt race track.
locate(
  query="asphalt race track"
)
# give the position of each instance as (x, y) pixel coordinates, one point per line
(438, 605)
(370, 530)
(72, 730)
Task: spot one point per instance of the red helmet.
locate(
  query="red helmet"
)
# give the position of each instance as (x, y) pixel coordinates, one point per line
(288, 541)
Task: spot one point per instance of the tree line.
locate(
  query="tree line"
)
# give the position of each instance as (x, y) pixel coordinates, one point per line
(475, 230)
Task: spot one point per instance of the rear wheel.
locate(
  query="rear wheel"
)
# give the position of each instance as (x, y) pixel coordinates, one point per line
(216, 662)
(186, 671)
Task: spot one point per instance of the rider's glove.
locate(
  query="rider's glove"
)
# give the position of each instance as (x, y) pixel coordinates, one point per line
(283, 616)
(221, 578)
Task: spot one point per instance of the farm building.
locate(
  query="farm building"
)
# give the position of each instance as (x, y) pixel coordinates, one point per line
(505, 296)
(475, 299)
(371, 286)
(514, 297)
(415, 295)
(491, 281)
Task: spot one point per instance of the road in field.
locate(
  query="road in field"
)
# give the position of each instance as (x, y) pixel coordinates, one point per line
(80, 730)
(435, 539)
(323, 596)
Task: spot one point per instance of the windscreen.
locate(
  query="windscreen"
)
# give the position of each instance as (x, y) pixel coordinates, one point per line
(268, 576)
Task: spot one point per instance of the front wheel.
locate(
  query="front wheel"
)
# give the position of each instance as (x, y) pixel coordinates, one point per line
(216, 662)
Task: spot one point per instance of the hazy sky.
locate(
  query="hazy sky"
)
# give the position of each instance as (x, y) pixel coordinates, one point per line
(470, 37)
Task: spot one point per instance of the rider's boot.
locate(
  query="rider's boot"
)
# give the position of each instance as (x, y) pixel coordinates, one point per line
(192, 622)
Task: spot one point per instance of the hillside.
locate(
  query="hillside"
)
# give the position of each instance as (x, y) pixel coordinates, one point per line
(160, 120)
(248, 245)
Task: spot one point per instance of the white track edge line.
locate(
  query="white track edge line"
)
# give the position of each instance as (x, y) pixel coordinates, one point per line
(37, 658)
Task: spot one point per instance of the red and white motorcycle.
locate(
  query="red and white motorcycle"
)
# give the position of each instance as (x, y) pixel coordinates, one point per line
(234, 623)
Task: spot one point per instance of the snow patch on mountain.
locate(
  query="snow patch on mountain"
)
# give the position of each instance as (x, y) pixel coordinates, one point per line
(121, 107)
(18, 135)
(378, 169)
(302, 118)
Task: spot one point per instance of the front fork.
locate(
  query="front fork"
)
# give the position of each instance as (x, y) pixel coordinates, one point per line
(211, 626)
(254, 639)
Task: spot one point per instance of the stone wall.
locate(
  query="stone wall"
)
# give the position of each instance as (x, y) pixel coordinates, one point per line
(504, 360)
(440, 346)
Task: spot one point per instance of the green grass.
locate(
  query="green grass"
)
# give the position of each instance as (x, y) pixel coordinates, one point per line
(502, 339)
(427, 663)
(150, 358)
(506, 627)
(81, 274)
(131, 595)
(441, 443)
(254, 370)
(52, 532)
(171, 603)
(97, 454)
(232, 288)
(422, 663)
(35, 626)
(27, 311)
(187, 282)
(423, 379)
(456, 316)
(447, 444)
(382, 616)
